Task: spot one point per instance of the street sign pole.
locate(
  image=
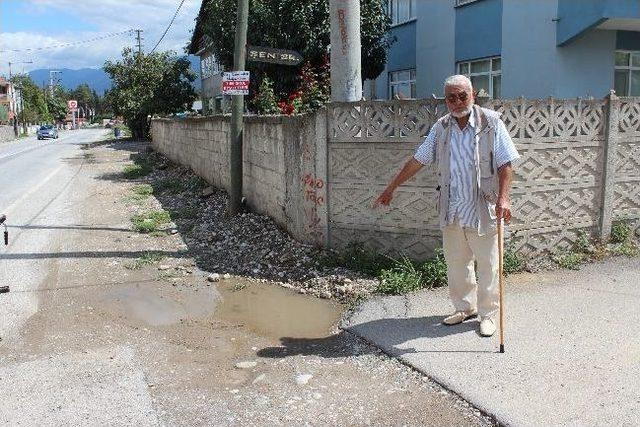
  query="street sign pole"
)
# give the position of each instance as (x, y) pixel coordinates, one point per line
(237, 110)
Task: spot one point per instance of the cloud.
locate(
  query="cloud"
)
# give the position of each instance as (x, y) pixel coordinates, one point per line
(107, 16)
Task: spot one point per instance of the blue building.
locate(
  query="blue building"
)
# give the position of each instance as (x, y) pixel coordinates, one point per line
(511, 48)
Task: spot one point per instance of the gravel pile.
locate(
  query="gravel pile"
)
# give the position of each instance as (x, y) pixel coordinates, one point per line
(250, 244)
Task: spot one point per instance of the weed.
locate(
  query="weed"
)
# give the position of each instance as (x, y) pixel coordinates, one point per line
(434, 270)
(147, 258)
(626, 248)
(512, 262)
(569, 259)
(196, 183)
(582, 243)
(140, 193)
(620, 232)
(403, 277)
(148, 222)
(168, 275)
(356, 257)
(239, 286)
(135, 171)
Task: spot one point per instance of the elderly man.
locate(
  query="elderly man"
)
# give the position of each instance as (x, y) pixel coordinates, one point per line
(472, 152)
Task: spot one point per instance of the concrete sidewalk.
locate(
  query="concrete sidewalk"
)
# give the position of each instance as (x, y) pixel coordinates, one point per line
(572, 346)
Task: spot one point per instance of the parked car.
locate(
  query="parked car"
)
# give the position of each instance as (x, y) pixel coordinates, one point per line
(47, 131)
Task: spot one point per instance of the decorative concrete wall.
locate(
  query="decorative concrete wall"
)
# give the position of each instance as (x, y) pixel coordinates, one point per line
(318, 175)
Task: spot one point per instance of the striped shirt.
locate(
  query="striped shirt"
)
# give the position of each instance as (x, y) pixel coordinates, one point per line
(463, 190)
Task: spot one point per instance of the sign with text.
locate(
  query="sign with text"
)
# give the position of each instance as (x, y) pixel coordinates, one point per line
(72, 105)
(235, 83)
(274, 56)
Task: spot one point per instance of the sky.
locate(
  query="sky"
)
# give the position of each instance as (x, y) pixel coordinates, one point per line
(34, 24)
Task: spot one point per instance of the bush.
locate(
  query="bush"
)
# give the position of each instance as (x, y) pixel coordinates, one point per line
(620, 232)
(434, 270)
(402, 278)
(571, 260)
(265, 101)
(356, 257)
(512, 262)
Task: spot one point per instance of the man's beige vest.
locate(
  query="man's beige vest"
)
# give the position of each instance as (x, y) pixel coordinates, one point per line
(485, 165)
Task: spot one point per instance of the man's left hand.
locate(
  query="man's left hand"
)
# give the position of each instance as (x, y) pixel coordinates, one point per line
(503, 209)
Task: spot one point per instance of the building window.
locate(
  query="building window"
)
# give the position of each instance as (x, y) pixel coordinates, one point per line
(402, 84)
(402, 11)
(463, 2)
(484, 74)
(627, 73)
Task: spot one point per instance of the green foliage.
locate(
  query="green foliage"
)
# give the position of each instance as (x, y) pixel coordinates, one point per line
(57, 108)
(356, 257)
(582, 243)
(569, 259)
(512, 262)
(265, 100)
(626, 248)
(434, 270)
(303, 26)
(141, 192)
(135, 171)
(146, 85)
(35, 106)
(149, 222)
(620, 232)
(402, 278)
(173, 185)
(147, 258)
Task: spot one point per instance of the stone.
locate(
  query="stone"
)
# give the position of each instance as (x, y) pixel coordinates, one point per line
(164, 267)
(226, 276)
(207, 192)
(214, 277)
(303, 379)
(246, 365)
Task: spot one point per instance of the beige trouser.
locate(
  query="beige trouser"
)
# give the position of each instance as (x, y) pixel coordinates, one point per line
(461, 247)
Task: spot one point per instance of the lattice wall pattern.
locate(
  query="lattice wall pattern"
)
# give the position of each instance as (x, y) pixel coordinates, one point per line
(558, 187)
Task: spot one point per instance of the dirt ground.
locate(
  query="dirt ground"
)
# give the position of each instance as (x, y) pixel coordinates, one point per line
(232, 352)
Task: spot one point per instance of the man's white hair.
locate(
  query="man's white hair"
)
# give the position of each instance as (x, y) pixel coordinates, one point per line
(458, 80)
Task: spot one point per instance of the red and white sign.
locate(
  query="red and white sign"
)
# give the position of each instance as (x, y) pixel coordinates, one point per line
(72, 105)
(235, 83)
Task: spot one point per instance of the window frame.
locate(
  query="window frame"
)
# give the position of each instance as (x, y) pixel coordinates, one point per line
(460, 3)
(411, 82)
(491, 73)
(628, 68)
(393, 5)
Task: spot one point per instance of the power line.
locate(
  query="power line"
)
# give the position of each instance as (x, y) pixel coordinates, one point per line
(169, 26)
(58, 46)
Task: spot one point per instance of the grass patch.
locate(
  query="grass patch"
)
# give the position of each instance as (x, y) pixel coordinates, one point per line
(140, 193)
(147, 258)
(149, 222)
(627, 248)
(569, 259)
(407, 275)
(135, 171)
(168, 275)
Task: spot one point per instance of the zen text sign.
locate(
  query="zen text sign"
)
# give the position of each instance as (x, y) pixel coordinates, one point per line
(274, 56)
(235, 83)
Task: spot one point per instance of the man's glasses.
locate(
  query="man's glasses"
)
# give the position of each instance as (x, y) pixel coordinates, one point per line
(462, 96)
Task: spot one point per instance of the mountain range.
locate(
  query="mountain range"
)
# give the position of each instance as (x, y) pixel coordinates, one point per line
(96, 78)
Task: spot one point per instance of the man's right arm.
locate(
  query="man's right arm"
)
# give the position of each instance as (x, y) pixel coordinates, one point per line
(425, 154)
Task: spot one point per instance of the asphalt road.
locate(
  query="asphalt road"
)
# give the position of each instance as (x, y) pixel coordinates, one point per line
(34, 175)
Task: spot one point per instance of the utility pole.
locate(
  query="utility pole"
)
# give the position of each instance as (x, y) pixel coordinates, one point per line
(53, 80)
(139, 39)
(237, 110)
(346, 62)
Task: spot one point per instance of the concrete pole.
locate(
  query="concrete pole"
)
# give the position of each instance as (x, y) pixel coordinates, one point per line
(237, 110)
(346, 64)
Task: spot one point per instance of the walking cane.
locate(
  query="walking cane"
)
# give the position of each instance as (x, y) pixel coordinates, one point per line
(500, 280)
(4, 288)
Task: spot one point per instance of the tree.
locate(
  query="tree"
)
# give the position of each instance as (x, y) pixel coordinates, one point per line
(35, 106)
(301, 25)
(4, 114)
(145, 85)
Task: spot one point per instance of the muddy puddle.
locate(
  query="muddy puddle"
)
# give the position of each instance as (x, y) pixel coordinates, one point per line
(266, 310)
(275, 312)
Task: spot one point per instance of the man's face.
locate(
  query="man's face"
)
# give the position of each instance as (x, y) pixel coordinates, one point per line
(459, 100)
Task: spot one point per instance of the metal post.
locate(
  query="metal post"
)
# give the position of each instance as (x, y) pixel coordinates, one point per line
(237, 109)
(346, 64)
